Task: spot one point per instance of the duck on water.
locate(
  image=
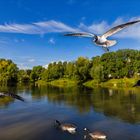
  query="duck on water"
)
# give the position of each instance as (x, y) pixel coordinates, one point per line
(96, 135)
(71, 128)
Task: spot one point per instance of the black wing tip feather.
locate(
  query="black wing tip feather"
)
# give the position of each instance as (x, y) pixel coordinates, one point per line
(131, 22)
(73, 34)
(136, 21)
(67, 34)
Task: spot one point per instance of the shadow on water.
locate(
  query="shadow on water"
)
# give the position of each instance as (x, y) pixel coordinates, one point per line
(108, 109)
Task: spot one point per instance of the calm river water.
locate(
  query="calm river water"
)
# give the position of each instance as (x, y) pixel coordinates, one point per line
(114, 112)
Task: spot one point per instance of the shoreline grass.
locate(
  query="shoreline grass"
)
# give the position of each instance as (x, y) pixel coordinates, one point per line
(112, 83)
(59, 83)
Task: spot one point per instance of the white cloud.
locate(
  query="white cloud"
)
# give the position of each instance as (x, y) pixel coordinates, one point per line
(17, 40)
(103, 26)
(98, 28)
(51, 41)
(31, 60)
(20, 28)
(23, 66)
(37, 28)
(46, 66)
(53, 26)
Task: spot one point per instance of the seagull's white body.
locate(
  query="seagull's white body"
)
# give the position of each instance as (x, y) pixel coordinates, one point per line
(102, 40)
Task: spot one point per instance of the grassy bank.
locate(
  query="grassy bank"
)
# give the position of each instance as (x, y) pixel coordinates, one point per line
(59, 83)
(113, 83)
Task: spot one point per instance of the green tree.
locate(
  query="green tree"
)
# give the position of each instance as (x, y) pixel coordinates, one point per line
(36, 72)
(8, 72)
(83, 66)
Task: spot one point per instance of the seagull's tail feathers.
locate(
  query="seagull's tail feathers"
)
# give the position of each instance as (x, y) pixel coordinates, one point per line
(111, 43)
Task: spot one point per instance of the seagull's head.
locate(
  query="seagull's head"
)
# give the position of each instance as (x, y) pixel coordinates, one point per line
(95, 38)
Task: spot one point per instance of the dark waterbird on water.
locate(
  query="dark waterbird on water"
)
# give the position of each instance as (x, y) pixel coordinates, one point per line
(12, 95)
(137, 84)
(71, 128)
(96, 135)
(102, 39)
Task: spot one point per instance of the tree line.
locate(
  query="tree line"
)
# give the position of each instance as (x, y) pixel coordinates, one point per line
(112, 65)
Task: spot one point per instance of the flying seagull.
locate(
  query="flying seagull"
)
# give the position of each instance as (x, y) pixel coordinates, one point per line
(15, 96)
(102, 39)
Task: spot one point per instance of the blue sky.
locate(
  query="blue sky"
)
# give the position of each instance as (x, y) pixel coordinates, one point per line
(31, 31)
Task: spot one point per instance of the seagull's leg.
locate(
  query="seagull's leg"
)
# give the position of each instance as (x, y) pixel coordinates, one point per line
(106, 49)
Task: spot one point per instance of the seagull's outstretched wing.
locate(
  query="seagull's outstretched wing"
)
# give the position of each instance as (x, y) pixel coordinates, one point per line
(80, 34)
(12, 96)
(118, 28)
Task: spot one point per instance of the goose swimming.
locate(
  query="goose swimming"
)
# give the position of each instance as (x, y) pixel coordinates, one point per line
(66, 127)
(102, 39)
(15, 96)
(96, 135)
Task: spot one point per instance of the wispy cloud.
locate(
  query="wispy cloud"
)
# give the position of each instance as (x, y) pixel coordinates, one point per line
(53, 26)
(31, 60)
(51, 41)
(37, 28)
(98, 28)
(46, 66)
(103, 26)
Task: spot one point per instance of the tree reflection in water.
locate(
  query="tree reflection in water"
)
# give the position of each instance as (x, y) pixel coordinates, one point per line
(122, 104)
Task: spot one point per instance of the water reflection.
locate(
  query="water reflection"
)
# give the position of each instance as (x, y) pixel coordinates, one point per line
(115, 112)
(123, 104)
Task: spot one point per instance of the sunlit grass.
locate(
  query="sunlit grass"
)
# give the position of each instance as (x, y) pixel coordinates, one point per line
(113, 83)
(59, 83)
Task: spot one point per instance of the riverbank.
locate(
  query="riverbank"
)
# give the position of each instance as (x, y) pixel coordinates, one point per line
(59, 83)
(113, 83)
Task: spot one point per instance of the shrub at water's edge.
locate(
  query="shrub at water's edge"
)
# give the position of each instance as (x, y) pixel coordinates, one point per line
(113, 83)
(59, 83)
